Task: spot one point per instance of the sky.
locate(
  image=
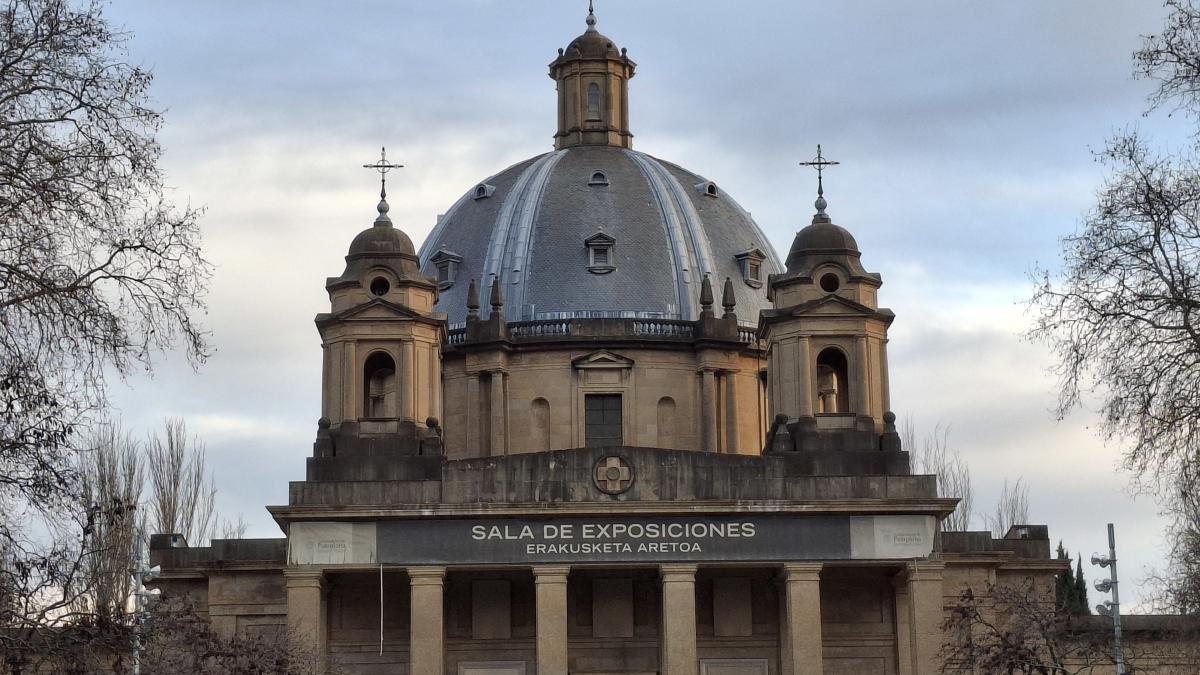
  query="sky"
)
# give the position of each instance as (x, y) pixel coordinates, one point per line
(966, 131)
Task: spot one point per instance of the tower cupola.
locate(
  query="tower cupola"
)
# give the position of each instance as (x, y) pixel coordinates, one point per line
(593, 91)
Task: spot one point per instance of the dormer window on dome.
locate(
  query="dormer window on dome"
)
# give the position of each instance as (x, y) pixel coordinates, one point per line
(750, 262)
(483, 191)
(446, 263)
(708, 189)
(600, 253)
(598, 178)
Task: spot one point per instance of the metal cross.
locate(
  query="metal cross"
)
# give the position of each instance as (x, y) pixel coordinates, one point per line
(383, 166)
(819, 163)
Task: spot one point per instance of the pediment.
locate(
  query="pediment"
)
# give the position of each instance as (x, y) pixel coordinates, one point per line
(378, 309)
(602, 359)
(832, 305)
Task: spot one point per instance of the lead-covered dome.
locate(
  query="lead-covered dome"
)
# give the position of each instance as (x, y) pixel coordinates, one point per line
(598, 231)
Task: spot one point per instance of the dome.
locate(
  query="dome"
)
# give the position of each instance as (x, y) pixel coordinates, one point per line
(822, 237)
(381, 239)
(592, 45)
(539, 226)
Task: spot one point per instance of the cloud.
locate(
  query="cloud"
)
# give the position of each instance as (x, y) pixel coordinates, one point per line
(966, 134)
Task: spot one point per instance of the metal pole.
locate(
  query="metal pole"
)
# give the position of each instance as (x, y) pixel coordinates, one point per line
(139, 590)
(1116, 601)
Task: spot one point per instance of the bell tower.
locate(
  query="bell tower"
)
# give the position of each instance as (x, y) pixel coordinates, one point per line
(826, 335)
(381, 340)
(593, 91)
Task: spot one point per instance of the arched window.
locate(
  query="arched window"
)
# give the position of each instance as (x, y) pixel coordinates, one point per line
(593, 101)
(666, 422)
(833, 393)
(379, 386)
(539, 425)
(598, 178)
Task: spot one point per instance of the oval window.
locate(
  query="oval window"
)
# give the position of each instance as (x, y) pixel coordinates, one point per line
(380, 286)
(830, 282)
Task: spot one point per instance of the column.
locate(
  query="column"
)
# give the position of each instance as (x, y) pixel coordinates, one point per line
(351, 392)
(885, 383)
(708, 408)
(731, 413)
(904, 635)
(499, 416)
(474, 439)
(805, 376)
(306, 612)
(802, 603)
(926, 615)
(426, 625)
(551, 585)
(863, 371)
(678, 620)
(406, 382)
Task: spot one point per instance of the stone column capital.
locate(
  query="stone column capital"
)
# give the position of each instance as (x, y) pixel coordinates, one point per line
(551, 574)
(426, 576)
(302, 577)
(805, 571)
(677, 572)
(925, 570)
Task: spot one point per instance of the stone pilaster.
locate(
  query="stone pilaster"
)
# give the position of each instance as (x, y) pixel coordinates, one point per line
(551, 585)
(904, 636)
(863, 380)
(731, 412)
(801, 642)
(804, 383)
(306, 610)
(708, 408)
(499, 421)
(426, 627)
(926, 615)
(678, 620)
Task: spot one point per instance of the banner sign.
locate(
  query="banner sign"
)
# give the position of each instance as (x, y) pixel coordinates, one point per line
(527, 541)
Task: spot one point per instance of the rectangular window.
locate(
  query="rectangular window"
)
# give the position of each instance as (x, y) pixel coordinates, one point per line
(600, 256)
(754, 271)
(602, 420)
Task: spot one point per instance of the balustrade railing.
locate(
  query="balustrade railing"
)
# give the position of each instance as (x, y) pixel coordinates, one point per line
(664, 329)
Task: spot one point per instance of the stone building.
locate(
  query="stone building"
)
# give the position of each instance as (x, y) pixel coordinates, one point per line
(596, 426)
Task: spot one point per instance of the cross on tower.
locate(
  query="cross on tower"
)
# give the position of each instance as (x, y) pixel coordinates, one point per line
(383, 166)
(819, 163)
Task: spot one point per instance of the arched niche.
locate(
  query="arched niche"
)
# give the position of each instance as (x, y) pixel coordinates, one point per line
(539, 425)
(379, 387)
(666, 422)
(833, 382)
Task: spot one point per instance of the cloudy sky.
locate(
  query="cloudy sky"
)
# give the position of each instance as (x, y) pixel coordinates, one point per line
(966, 130)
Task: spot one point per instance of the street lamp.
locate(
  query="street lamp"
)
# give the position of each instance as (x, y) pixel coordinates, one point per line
(1111, 608)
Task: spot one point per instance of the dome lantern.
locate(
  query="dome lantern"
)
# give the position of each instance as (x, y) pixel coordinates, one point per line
(593, 91)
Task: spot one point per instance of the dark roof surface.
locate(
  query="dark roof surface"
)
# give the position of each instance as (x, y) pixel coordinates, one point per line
(531, 231)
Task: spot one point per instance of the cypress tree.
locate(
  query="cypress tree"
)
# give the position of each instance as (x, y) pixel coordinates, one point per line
(1081, 591)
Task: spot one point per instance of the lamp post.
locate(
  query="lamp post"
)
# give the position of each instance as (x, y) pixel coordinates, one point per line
(1112, 607)
(142, 572)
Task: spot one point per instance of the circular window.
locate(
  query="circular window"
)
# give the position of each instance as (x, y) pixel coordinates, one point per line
(380, 286)
(830, 282)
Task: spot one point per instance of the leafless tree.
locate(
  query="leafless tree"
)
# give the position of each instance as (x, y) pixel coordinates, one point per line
(1176, 588)
(935, 455)
(181, 641)
(1172, 59)
(232, 529)
(1123, 316)
(1012, 508)
(112, 485)
(181, 490)
(98, 274)
(1012, 629)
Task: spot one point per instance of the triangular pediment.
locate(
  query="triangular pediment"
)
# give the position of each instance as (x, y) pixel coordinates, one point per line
(602, 359)
(831, 305)
(377, 309)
